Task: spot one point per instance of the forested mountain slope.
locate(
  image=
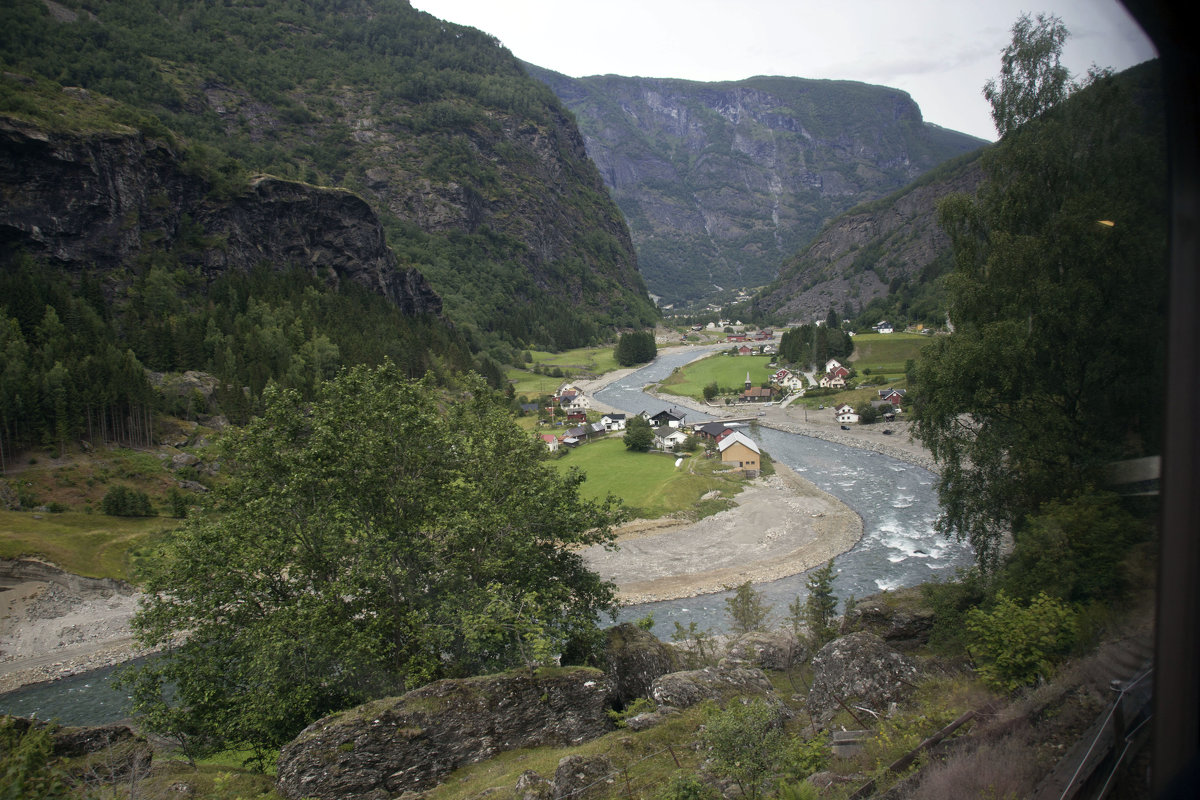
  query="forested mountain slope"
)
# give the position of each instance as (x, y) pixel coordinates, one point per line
(890, 251)
(476, 171)
(721, 182)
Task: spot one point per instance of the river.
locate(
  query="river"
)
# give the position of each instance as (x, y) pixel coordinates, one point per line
(899, 546)
(895, 500)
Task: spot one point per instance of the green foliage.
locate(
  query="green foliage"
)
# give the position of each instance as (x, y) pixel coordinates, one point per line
(1027, 401)
(746, 743)
(711, 390)
(375, 538)
(640, 705)
(806, 756)
(28, 769)
(122, 501)
(687, 786)
(639, 435)
(637, 347)
(1074, 550)
(746, 609)
(1014, 645)
(1032, 77)
(950, 602)
(867, 414)
(820, 605)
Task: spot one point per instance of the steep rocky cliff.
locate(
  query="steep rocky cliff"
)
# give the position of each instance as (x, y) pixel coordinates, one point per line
(478, 174)
(872, 249)
(721, 182)
(104, 199)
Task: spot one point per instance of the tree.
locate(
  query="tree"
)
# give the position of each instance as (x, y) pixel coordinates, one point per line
(1028, 400)
(636, 347)
(639, 436)
(711, 390)
(359, 543)
(868, 414)
(746, 608)
(1032, 79)
(746, 742)
(820, 605)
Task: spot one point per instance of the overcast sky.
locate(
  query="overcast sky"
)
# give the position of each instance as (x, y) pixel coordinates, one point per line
(940, 52)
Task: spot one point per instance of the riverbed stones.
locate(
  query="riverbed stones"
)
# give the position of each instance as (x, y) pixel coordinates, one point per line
(388, 747)
(859, 670)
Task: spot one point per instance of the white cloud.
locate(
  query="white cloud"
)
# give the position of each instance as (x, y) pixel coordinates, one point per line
(939, 52)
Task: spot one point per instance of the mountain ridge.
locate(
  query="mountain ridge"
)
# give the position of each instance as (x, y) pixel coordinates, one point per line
(721, 182)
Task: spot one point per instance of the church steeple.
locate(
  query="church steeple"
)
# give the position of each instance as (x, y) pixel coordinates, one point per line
(749, 384)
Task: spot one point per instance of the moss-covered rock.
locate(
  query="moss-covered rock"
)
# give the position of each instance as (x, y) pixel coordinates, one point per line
(409, 743)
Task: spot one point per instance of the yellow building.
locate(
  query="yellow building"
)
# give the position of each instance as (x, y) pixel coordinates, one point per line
(739, 450)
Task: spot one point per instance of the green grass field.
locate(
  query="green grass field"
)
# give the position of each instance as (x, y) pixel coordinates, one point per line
(590, 361)
(886, 353)
(728, 371)
(648, 484)
(93, 545)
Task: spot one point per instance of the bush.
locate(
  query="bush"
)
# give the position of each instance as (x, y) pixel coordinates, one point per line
(121, 501)
(1016, 646)
(746, 743)
(746, 609)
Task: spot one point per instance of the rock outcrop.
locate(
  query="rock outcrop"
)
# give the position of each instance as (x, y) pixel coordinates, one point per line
(776, 650)
(900, 619)
(684, 689)
(858, 670)
(103, 199)
(634, 659)
(103, 754)
(866, 251)
(387, 747)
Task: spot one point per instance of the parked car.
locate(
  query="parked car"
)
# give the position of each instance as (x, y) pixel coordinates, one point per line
(845, 427)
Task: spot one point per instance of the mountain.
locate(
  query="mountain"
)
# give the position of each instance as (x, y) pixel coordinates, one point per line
(477, 173)
(890, 246)
(721, 182)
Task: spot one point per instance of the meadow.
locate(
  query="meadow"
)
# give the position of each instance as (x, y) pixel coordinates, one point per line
(649, 484)
(729, 373)
(582, 361)
(93, 545)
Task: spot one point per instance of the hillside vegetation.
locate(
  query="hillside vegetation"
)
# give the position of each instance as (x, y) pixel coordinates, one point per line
(476, 171)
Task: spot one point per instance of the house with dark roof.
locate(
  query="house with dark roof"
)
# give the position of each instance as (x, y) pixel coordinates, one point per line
(672, 417)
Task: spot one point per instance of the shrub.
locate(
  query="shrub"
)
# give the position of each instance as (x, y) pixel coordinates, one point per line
(121, 501)
(746, 608)
(1015, 646)
(746, 743)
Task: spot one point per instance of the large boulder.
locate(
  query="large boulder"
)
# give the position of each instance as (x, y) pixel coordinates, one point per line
(387, 747)
(684, 689)
(902, 619)
(101, 754)
(633, 659)
(583, 777)
(776, 650)
(858, 670)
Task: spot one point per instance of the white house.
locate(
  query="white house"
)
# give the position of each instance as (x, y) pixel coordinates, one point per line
(832, 364)
(668, 438)
(613, 422)
(845, 414)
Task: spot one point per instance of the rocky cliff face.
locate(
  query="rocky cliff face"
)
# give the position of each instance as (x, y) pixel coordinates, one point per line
(721, 182)
(862, 253)
(103, 199)
(395, 745)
